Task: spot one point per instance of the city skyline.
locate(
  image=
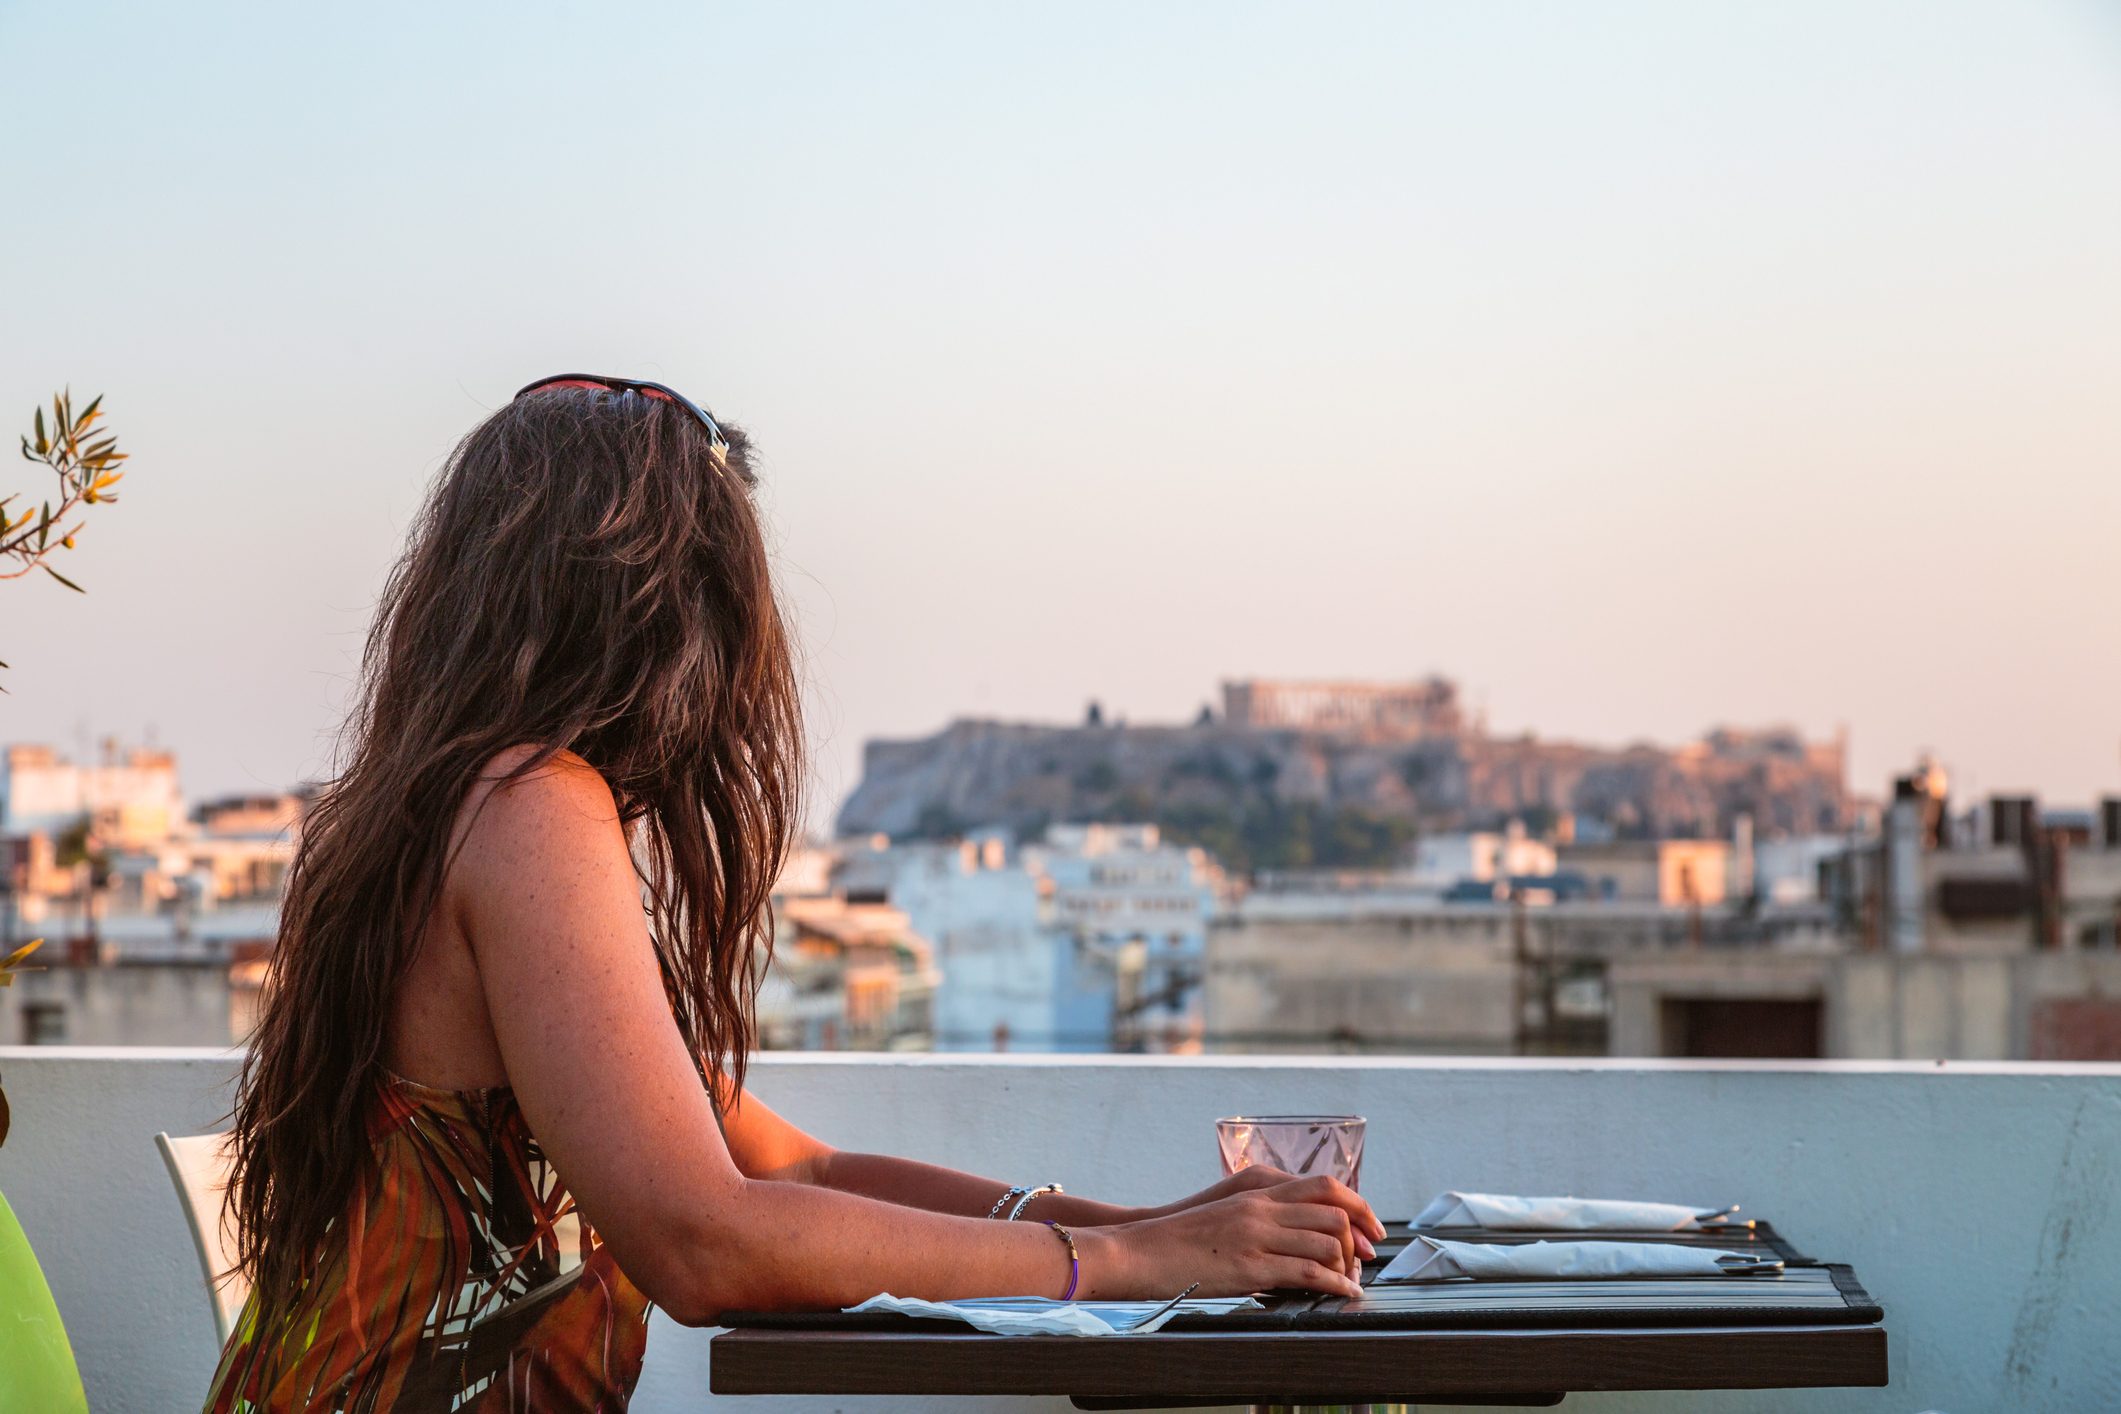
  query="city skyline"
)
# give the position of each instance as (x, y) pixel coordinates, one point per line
(1467, 599)
(1644, 371)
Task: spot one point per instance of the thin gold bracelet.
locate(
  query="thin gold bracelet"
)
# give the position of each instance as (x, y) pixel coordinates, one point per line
(1075, 1261)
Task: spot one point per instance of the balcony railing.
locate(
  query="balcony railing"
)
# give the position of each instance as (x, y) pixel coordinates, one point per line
(1976, 1200)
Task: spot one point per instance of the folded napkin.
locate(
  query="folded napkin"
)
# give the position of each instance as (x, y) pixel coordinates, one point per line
(1505, 1214)
(1433, 1259)
(1036, 1315)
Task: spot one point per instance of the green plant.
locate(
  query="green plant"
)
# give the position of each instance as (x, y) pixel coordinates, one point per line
(84, 459)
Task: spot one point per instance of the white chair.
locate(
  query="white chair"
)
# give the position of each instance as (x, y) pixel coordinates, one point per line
(199, 1166)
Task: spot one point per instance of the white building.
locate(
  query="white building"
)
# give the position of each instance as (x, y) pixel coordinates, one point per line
(129, 797)
(1118, 893)
(845, 975)
(155, 920)
(206, 889)
(1093, 940)
(1787, 870)
(1480, 857)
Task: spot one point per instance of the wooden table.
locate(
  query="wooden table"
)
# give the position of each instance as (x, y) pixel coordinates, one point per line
(1521, 1361)
(1514, 1366)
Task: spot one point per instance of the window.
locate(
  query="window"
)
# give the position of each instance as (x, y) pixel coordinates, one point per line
(44, 1023)
(1744, 1027)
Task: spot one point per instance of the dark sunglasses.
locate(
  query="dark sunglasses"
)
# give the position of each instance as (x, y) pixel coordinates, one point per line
(646, 389)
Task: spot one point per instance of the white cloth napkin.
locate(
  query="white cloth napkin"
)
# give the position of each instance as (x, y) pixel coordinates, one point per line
(1034, 1315)
(1506, 1214)
(1434, 1259)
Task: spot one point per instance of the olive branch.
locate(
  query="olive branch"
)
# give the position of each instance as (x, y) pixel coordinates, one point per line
(86, 470)
(85, 461)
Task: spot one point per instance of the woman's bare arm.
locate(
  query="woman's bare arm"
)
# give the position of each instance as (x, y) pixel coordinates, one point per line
(545, 891)
(766, 1145)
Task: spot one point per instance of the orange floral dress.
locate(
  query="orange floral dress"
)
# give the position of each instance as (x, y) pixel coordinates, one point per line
(463, 1280)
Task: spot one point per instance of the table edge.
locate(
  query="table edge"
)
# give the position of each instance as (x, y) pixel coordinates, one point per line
(1500, 1359)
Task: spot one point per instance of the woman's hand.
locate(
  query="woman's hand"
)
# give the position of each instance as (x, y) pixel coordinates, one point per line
(1305, 1233)
(1243, 1181)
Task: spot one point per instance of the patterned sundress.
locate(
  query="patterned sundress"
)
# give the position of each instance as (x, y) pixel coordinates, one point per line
(464, 1281)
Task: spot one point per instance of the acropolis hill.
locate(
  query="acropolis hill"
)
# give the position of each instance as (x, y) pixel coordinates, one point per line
(1294, 774)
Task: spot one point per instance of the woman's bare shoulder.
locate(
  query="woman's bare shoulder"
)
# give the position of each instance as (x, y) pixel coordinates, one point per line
(559, 807)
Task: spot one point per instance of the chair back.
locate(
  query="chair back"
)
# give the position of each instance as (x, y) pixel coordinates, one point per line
(199, 1165)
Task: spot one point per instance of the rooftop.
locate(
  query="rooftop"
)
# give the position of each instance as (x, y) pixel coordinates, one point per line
(1974, 1199)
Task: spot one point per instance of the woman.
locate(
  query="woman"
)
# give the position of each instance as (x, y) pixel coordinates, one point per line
(495, 1108)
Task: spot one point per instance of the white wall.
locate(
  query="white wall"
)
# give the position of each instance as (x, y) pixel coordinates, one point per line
(1976, 1201)
(156, 1004)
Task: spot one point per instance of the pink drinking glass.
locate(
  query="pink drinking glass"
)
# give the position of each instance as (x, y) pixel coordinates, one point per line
(1297, 1144)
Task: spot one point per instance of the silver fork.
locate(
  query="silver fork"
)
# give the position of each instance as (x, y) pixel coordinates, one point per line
(1163, 1308)
(1744, 1267)
(1721, 1219)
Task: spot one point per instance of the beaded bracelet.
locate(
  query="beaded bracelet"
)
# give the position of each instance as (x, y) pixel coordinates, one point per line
(1030, 1193)
(1075, 1261)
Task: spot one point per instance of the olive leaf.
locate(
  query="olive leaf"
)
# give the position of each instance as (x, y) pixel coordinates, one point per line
(11, 965)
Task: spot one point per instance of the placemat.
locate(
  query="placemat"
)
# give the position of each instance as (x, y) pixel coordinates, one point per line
(1826, 1294)
(1761, 1236)
(1816, 1295)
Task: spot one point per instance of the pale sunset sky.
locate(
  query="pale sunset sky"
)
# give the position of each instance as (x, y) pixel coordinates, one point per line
(1642, 366)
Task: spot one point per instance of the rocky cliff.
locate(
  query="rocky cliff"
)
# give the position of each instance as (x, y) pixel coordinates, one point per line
(1292, 798)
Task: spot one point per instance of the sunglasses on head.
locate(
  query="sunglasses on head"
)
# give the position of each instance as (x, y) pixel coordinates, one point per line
(646, 389)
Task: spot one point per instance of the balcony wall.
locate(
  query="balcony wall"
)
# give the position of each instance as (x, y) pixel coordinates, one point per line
(1977, 1201)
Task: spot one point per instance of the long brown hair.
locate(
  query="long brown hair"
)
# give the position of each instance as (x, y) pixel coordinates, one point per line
(588, 575)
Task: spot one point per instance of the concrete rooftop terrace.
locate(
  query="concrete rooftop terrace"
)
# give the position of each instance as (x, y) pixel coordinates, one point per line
(1976, 1201)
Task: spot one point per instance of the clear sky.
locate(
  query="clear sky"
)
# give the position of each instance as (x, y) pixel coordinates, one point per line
(1643, 366)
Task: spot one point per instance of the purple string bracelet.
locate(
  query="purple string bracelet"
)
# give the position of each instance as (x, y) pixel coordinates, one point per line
(1075, 1261)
